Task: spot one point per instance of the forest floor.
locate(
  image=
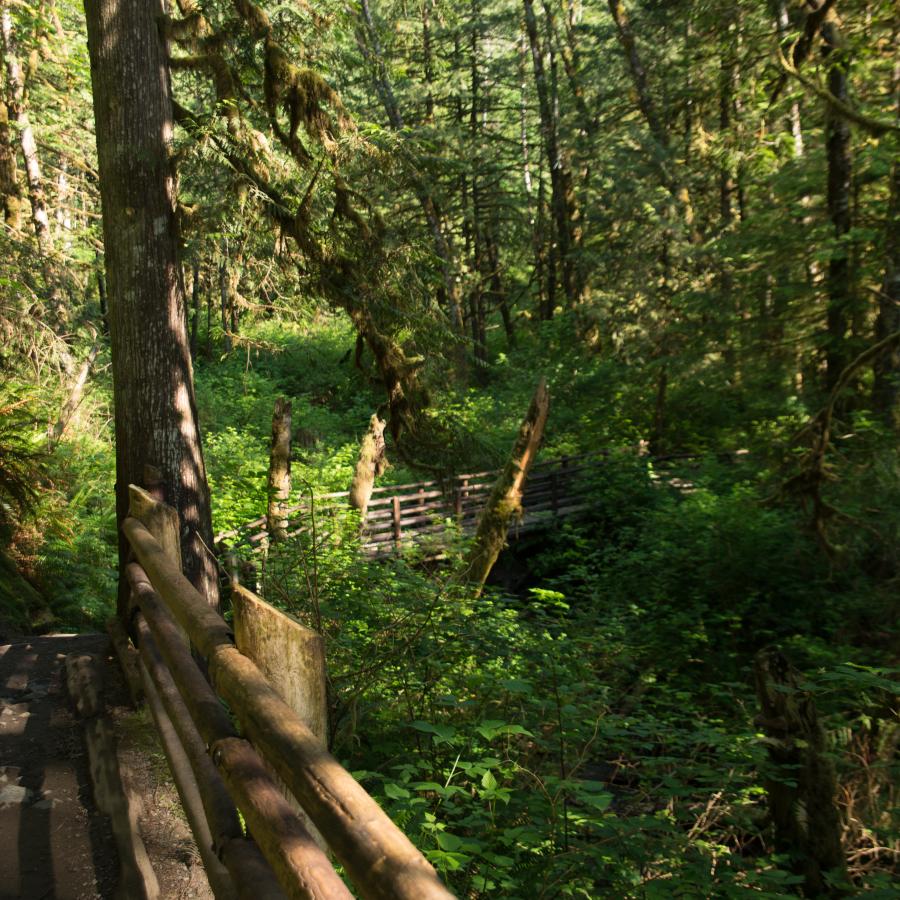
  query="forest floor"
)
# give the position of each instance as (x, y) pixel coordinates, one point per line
(55, 841)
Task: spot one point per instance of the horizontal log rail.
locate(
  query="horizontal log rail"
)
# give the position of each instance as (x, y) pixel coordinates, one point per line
(221, 762)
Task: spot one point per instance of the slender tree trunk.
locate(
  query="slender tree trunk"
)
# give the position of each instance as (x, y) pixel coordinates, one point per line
(727, 189)
(428, 60)
(76, 392)
(667, 166)
(209, 314)
(279, 471)
(479, 251)
(837, 132)
(886, 387)
(367, 39)
(153, 385)
(783, 23)
(504, 505)
(225, 302)
(9, 176)
(561, 197)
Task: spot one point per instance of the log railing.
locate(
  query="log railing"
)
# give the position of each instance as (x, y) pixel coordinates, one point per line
(221, 761)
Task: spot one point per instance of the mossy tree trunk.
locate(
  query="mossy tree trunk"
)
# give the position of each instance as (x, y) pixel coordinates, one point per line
(505, 502)
(803, 785)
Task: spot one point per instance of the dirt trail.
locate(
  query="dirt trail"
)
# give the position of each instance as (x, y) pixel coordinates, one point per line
(54, 843)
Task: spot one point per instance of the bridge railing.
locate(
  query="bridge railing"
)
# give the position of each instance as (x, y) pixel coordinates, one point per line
(221, 762)
(406, 513)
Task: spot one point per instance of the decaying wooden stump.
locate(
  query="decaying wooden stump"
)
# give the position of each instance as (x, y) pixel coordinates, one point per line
(279, 470)
(370, 465)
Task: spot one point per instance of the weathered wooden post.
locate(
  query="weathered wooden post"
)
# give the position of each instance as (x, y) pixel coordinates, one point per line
(292, 657)
(160, 519)
(395, 514)
(279, 471)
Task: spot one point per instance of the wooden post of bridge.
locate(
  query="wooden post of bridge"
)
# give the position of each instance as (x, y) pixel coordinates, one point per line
(395, 514)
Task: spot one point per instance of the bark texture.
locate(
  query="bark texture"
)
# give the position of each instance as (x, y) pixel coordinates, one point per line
(505, 502)
(156, 416)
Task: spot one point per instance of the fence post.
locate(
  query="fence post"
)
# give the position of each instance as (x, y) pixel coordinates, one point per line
(395, 513)
(292, 657)
(160, 519)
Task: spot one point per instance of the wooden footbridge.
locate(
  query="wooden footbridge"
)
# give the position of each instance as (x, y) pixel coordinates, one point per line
(427, 513)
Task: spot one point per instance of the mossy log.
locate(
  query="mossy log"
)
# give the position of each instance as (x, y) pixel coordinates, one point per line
(803, 785)
(505, 502)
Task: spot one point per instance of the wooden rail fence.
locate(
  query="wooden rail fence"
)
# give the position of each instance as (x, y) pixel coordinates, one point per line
(223, 760)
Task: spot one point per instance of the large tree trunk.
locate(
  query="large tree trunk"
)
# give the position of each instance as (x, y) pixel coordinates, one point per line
(153, 386)
(505, 502)
(279, 470)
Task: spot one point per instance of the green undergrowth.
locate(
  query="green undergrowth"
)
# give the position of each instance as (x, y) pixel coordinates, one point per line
(590, 733)
(594, 735)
